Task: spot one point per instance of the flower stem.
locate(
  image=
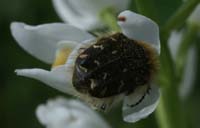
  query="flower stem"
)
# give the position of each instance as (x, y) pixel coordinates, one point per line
(167, 72)
(181, 15)
(169, 112)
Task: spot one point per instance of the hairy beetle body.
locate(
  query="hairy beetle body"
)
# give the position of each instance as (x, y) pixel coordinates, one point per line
(114, 65)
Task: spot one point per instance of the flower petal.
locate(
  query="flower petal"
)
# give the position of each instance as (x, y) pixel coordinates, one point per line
(174, 42)
(64, 113)
(40, 41)
(140, 28)
(187, 83)
(85, 13)
(59, 78)
(143, 109)
(195, 16)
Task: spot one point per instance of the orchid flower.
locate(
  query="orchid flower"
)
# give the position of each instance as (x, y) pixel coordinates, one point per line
(60, 44)
(65, 113)
(85, 14)
(195, 16)
(190, 66)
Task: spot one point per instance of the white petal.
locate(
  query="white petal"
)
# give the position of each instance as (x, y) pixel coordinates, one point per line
(85, 13)
(143, 109)
(40, 41)
(63, 113)
(59, 78)
(187, 82)
(195, 16)
(138, 27)
(174, 42)
(189, 76)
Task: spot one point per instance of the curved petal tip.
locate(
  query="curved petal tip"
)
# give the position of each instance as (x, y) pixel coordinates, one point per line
(144, 108)
(139, 27)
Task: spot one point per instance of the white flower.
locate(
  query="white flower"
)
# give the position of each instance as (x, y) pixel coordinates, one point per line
(64, 113)
(190, 65)
(41, 41)
(85, 14)
(195, 16)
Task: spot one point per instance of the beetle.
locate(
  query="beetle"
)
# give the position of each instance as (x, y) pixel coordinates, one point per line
(114, 65)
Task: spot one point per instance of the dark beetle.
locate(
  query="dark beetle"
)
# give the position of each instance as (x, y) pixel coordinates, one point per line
(114, 65)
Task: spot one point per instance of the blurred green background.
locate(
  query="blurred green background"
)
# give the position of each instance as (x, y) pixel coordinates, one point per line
(20, 96)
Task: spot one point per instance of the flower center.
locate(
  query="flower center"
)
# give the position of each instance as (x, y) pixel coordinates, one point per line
(114, 65)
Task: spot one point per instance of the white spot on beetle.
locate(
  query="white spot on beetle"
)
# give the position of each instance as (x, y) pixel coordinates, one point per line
(103, 106)
(97, 62)
(81, 50)
(113, 39)
(105, 76)
(98, 46)
(82, 56)
(83, 68)
(114, 52)
(92, 85)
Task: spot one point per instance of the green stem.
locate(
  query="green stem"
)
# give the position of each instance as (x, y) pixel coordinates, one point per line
(162, 119)
(181, 15)
(169, 112)
(167, 72)
(186, 43)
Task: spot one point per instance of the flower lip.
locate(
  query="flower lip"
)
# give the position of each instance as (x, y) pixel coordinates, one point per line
(121, 18)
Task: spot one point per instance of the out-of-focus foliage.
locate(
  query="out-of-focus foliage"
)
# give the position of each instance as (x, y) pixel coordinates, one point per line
(20, 96)
(158, 10)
